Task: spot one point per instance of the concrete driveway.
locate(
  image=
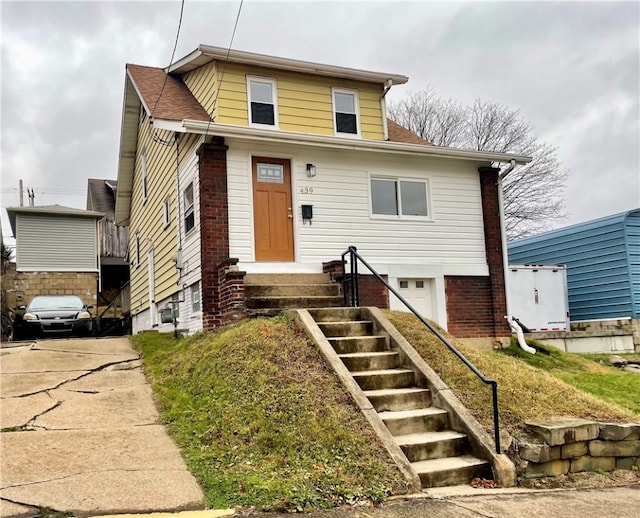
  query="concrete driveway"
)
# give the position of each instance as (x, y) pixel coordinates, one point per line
(80, 433)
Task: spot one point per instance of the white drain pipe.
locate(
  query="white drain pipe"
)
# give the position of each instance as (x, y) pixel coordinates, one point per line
(505, 262)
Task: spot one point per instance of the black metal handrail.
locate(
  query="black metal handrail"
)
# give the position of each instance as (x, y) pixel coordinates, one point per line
(352, 298)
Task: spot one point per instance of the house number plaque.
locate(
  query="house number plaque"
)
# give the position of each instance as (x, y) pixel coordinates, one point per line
(306, 190)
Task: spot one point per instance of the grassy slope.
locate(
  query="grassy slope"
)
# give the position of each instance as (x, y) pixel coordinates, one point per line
(591, 373)
(525, 392)
(262, 422)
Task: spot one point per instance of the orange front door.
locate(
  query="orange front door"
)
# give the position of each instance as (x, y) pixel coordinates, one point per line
(272, 209)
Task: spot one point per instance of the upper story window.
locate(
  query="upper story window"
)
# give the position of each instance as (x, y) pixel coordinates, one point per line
(345, 112)
(189, 216)
(400, 197)
(143, 175)
(262, 97)
(137, 249)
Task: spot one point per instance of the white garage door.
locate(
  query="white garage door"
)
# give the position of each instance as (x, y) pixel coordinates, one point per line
(420, 294)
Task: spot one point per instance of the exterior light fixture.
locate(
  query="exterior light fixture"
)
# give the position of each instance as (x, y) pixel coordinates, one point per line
(311, 170)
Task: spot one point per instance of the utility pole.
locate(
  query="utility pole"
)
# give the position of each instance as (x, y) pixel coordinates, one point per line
(21, 189)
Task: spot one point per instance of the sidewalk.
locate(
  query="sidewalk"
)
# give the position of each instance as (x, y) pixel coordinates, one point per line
(81, 433)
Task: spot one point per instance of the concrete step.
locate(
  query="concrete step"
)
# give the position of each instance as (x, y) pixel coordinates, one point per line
(359, 344)
(397, 399)
(420, 420)
(292, 290)
(292, 302)
(286, 278)
(347, 328)
(336, 314)
(387, 378)
(451, 471)
(367, 361)
(433, 445)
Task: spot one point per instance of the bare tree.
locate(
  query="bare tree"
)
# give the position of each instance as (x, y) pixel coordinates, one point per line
(533, 193)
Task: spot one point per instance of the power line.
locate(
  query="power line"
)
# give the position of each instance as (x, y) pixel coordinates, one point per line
(175, 46)
(224, 66)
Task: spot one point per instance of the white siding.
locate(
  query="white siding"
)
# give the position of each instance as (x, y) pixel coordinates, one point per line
(56, 243)
(190, 248)
(453, 240)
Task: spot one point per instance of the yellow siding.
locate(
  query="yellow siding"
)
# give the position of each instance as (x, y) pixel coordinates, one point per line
(203, 84)
(147, 218)
(304, 101)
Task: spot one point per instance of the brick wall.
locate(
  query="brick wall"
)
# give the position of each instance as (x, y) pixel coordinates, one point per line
(372, 291)
(222, 285)
(231, 294)
(469, 306)
(27, 285)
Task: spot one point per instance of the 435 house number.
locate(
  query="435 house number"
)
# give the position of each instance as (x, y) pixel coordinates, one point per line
(306, 190)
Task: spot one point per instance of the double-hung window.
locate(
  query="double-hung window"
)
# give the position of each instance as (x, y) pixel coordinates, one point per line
(400, 197)
(345, 112)
(166, 212)
(195, 297)
(263, 108)
(189, 216)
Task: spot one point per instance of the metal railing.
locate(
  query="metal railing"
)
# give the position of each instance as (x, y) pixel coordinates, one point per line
(352, 298)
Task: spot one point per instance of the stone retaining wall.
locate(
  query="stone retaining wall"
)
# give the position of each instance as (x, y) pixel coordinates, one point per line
(577, 445)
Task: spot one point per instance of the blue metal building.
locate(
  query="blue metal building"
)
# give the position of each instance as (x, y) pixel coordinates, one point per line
(603, 264)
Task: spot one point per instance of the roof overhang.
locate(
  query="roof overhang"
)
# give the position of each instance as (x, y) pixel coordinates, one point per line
(49, 210)
(127, 155)
(381, 146)
(205, 54)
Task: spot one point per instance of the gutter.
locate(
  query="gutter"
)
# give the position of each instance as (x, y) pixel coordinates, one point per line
(287, 137)
(505, 260)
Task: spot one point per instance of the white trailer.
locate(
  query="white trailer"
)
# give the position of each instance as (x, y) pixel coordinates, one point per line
(538, 296)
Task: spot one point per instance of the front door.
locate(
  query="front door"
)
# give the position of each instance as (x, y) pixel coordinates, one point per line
(272, 209)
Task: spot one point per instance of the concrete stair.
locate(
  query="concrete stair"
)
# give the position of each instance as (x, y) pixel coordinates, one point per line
(438, 455)
(271, 294)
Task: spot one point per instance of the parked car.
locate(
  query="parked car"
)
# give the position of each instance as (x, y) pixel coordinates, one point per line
(53, 315)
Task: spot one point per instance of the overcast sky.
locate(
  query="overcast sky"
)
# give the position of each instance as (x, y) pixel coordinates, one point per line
(571, 68)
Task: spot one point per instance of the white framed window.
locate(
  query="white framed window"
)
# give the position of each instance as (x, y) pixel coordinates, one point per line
(189, 216)
(175, 304)
(166, 212)
(346, 117)
(262, 101)
(400, 198)
(196, 305)
(143, 174)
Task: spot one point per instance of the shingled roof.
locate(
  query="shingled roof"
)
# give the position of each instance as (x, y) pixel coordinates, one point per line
(399, 133)
(101, 196)
(177, 102)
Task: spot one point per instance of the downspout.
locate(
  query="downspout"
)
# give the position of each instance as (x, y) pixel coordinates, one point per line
(505, 261)
(383, 103)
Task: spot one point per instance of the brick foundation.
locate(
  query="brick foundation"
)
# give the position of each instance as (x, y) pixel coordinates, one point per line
(372, 291)
(27, 285)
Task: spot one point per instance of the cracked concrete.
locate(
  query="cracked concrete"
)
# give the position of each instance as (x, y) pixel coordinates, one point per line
(90, 441)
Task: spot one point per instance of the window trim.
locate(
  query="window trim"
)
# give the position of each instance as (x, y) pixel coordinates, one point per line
(356, 104)
(166, 211)
(274, 98)
(136, 245)
(144, 176)
(400, 216)
(188, 210)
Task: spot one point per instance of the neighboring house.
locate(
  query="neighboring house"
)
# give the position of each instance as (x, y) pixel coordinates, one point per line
(603, 264)
(220, 152)
(56, 252)
(113, 240)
